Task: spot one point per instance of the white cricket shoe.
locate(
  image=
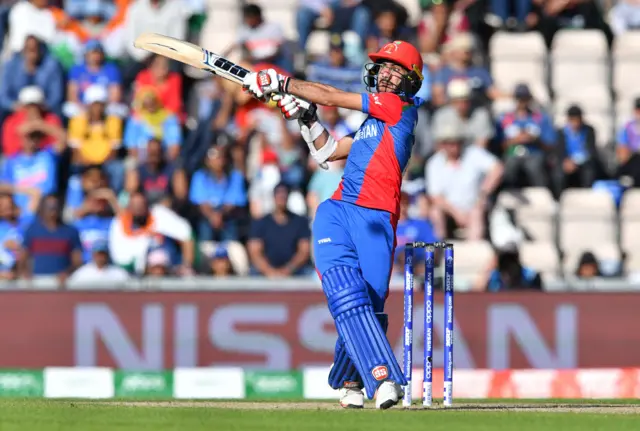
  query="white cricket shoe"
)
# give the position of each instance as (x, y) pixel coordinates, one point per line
(388, 395)
(351, 398)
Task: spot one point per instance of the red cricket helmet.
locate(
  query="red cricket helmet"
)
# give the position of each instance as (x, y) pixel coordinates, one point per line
(402, 53)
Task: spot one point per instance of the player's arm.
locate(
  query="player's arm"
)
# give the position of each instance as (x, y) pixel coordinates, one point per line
(323, 94)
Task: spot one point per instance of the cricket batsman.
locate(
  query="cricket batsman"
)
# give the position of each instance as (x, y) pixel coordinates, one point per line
(354, 231)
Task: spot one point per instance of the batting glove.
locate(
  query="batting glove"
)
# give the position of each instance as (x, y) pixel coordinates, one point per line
(292, 107)
(263, 83)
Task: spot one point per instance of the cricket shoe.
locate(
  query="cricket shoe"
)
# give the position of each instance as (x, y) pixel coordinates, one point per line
(351, 398)
(388, 395)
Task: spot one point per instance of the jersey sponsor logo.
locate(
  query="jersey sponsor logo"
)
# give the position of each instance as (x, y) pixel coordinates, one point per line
(366, 131)
(324, 240)
(380, 372)
(376, 100)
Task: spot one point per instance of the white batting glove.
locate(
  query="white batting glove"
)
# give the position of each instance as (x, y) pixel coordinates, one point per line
(289, 106)
(263, 83)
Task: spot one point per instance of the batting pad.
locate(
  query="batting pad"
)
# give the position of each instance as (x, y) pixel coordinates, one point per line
(357, 325)
(343, 369)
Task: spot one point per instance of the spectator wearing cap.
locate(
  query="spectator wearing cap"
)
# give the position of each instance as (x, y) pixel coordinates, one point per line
(158, 263)
(151, 120)
(628, 145)
(459, 65)
(30, 18)
(95, 136)
(528, 134)
(262, 40)
(167, 83)
(34, 66)
(51, 247)
(93, 71)
(219, 192)
(510, 274)
(476, 121)
(98, 270)
(279, 242)
(577, 161)
(31, 116)
(140, 228)
(31, 173)
(219, 263)
(335, 70)
(459, 180)
(338, 15)
(588, 266)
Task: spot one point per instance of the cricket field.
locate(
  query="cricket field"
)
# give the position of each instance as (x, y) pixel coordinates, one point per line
(472, 415)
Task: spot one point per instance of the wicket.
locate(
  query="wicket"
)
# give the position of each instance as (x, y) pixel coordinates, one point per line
(427, 385)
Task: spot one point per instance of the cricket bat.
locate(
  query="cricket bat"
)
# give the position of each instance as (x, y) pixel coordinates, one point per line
(195, 56)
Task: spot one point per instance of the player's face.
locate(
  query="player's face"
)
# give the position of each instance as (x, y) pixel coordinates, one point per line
(390, 77)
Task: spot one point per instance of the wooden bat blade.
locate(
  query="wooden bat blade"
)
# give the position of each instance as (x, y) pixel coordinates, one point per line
(193, 55)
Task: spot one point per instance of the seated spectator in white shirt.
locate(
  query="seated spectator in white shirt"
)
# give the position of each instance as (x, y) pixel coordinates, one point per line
(459, 180)
(264, 41)
(477, 125)
(99, 270)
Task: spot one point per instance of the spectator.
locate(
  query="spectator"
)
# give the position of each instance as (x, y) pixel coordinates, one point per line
(80, 186)
(456, 24)
(624, 16)
(94, 218)
(459, 180)
(98, 269)
(510, 274)
(139, 228)
(263, 41)
(627, 148)
(12, 228)
(460, 66)
(168, 84)
(84, 9)
(5, 9)
(335, 70)
(50, 246)
(386, 28)
(577, 163)
(476, 122)
(94, 71)
(588, 267)
(219, 262)
(154, 176)
(31, 18)
(96, 136)
(30, 174)
(512, 15)
(561, 14)
(31, 117)
(279, 242)
(219, 191)
(338, 15)
(158, 263)
(528, 134)
(157, 16)
(33, 66)
(411, 230)
(151, 121)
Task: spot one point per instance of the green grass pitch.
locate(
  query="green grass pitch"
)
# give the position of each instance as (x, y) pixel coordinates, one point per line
(276, 415)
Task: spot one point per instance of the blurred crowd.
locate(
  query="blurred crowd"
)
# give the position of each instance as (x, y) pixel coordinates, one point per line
(117, 163)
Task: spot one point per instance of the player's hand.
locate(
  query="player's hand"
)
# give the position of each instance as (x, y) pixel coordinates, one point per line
(289, 106)
(263, 83)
